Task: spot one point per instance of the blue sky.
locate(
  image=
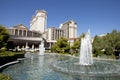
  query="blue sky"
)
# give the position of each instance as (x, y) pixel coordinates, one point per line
(100, 16)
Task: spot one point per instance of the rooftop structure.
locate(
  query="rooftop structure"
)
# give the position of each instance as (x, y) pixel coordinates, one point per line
(38, 22)
(70, 29)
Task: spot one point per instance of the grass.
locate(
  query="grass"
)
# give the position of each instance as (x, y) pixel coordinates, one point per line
(5, 77)
(9, 53)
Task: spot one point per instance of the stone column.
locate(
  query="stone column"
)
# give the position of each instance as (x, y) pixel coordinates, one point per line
(22, 32)
(13, 31)
(26, 33)
(18, 32)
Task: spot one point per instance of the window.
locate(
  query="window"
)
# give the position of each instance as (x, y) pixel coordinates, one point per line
(20, 32)
(16, 32)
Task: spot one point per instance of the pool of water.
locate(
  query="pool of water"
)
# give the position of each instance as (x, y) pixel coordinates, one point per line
(40, 68)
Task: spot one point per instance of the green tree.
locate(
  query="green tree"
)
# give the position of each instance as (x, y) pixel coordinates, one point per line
(61, 46)
(3, 37)
(98, 45)
(76, 46)
(114, 39)
(109, 43)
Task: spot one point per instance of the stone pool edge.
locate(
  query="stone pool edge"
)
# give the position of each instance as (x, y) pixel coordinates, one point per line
(11, 63)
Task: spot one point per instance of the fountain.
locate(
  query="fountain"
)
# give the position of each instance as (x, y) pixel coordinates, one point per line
(26, 47)
(84, 65)
(86, 50)
(41, 48)
(76, 68)
(28, 55)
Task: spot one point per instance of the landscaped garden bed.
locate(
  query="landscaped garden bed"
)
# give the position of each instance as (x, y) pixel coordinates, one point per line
(9, 56)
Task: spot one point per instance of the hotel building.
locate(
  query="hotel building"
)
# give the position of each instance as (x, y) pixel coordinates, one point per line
(38, 22)
(38, 31)
(70, 29)
(52, 35)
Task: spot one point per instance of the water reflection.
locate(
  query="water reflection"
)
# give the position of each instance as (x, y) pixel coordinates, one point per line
(39, 68)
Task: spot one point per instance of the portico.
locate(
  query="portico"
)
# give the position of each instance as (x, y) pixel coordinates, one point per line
(23, 38)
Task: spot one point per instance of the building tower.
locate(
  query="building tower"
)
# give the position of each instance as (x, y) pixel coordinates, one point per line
(70, 29)
(38, 22)
(54, 33)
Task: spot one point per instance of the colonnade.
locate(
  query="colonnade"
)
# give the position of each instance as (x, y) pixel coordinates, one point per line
(23, 33)
(26, 47)
(27, 40)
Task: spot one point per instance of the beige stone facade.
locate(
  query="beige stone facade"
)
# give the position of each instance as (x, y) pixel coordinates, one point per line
(54, 33)
(70, 29)
(22, 31)
(21, 37)
(38, 22)
(38, 31)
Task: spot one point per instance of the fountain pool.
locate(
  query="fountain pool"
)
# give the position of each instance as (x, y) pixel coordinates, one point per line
(49, 67)
(86, 65)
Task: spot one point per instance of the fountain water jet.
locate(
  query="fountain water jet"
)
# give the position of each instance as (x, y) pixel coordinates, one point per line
(41, 48)
(83, 66)
(86, 50)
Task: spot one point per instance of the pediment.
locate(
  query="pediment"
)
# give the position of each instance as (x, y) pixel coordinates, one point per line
(21, 26)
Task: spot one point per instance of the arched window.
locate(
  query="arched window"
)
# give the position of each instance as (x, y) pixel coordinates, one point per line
(29, 34)
(24, 33)
(16, 32)
(20, 32)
